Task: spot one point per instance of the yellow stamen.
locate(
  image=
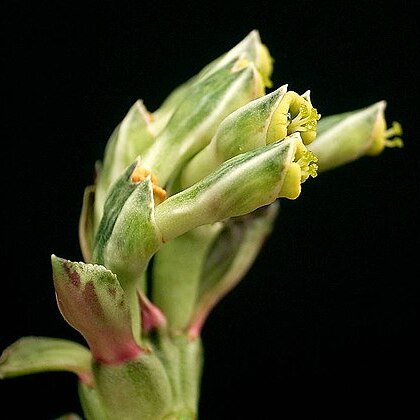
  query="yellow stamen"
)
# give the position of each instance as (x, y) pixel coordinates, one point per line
(295, 113)
(304, 120)
(392, 134)
(303, 166)
(385, 137)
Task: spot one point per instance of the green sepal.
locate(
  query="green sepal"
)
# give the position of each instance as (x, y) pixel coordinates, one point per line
(176, 274)
(237, 187)
(343, 138)
(137, 389)
(131, 138)
(197, 117)
(92, 301)
(30, 355)
(229, 259)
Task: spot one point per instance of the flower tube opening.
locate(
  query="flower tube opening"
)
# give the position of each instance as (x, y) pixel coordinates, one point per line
(295, 113)
(303, 166)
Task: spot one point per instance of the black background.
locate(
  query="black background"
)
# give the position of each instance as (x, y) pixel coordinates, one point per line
(325, 323)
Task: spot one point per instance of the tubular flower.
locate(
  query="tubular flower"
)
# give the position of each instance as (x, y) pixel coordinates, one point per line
(344, 137)
(258, 123)
(239, 186)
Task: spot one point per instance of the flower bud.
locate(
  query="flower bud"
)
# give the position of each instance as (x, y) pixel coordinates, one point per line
(345, 137)
(238, 186)
(183, 124)
(130, 138)
(250, 48)
(196, 119)
(260, 122)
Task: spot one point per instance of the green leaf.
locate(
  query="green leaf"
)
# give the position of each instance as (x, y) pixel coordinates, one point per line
(137, 389)
(230, 258)
(92, 301)
(30, 355)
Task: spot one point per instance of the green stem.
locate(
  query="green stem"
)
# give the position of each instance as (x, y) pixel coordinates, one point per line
(182, 359)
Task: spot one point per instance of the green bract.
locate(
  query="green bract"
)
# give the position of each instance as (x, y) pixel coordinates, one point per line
(181, 206)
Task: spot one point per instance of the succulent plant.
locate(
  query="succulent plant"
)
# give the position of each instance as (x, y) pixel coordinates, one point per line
(182, 203)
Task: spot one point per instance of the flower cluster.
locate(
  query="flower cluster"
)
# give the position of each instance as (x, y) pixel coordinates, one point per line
(182, 203)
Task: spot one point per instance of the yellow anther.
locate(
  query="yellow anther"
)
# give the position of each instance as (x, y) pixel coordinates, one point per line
(139, 174)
